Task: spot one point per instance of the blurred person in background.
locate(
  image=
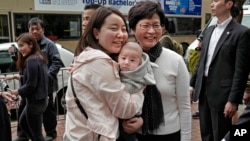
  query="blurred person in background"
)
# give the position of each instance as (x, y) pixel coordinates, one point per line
(5, 130)
(33, 77)
(13, 51)
(167, 41)
(49, 49)
(88, 11)
(244, 119)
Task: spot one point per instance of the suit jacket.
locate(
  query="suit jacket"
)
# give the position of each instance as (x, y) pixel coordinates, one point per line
(229, 68)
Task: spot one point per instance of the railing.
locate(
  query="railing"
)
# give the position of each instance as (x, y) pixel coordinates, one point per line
(58, 97)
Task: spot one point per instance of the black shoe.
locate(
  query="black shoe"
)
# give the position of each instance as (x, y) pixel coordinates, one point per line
(196, 115)
(21, 139)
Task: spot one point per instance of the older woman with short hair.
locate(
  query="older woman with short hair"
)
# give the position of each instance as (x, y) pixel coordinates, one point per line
(166, 113)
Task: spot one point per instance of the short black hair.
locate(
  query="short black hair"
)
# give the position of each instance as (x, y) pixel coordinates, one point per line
(230, 0)
(235, 11)
(92, 6)
(35, 21)
(143, 10)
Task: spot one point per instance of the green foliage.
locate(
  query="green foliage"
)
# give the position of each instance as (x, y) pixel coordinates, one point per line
(193, 60)
(172, 44)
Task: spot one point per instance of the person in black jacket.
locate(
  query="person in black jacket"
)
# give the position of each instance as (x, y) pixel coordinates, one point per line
(13, 54)
(242, 123)
(49, 49)
(32, 66)
(221, 75)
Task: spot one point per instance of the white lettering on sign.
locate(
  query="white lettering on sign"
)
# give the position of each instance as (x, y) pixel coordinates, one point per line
(78, 5)
(240, 132)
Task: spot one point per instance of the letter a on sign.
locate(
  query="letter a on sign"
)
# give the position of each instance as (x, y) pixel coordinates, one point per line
(239, 132)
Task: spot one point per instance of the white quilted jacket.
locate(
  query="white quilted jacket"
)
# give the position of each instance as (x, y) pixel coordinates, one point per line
(98, 87)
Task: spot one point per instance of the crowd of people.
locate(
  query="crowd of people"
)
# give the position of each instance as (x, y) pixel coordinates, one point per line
(132, 91)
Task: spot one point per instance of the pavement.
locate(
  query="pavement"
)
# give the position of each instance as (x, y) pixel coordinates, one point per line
(195, 133)
(61, 127)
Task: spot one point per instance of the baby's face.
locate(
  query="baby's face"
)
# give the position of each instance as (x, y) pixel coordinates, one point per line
(129, 59)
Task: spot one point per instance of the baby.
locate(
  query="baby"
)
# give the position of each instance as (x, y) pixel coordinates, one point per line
(136, 69)
(135, 72)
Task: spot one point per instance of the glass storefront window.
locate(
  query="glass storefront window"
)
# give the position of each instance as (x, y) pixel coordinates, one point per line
(184, 26)
(247, 2)
(4, 29)
(56, 26)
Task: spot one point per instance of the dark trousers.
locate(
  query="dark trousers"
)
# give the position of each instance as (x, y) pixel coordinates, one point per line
(5, 127)
(169, 137)
(31, 118)
(49, 118)
(213, 124)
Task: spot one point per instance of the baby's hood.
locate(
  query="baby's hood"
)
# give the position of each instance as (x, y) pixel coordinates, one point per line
(144, 73)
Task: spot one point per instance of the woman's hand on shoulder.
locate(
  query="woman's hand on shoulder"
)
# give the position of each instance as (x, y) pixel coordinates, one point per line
(132, 125)
(69, 68)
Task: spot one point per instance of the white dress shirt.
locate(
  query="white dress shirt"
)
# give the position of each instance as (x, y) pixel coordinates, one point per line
(217, 33)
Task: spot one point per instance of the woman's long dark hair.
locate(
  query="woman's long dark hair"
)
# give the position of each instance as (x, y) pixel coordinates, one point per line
(96, 22)
(35, 50)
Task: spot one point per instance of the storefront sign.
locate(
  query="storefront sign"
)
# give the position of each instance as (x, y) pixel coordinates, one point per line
(182, 7)
(78, 5)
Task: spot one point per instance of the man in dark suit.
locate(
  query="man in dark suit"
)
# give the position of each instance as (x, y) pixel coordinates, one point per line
(220, 78)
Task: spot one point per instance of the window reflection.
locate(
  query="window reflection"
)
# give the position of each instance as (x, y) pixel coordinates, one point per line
(184, 26)
(4, 29)
(56, 26)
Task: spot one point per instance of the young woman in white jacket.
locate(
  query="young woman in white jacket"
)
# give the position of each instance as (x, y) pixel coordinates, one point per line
(96, 81)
